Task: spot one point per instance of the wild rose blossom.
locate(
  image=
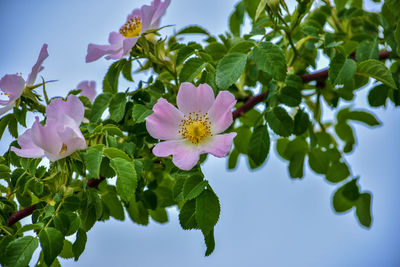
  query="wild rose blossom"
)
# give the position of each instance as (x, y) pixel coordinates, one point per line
(121, 43)
(60, 137)
(13, 85)
(194, 128)
(88, 89)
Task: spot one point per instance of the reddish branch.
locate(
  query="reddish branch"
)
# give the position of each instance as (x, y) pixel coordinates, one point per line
(29, 210)
(248, 105)
(316, 76)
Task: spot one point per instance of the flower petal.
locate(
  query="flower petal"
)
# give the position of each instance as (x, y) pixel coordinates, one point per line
(28, 148)
(219, 145)
(38, 65)
(7, 107)
(184, 156)
(71, 137)
(128, 44)
(113, 50)
(220, 113)
(12, 85)
(88, 89)
(73, 108)
(194, 99)
(47, 138)
(147, 13)
(160, 11)
(164, 122)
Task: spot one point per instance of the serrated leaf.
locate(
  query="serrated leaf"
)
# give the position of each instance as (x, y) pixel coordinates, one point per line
(362, 116)
(207, 210)
(110, 81)
(99, 106)
(260, 9)
(19, 251)
(289, 96)
(137, 212)
(270, 59)
(341, 69)
(193, 187)
(187, 215)
(191, 69)
(3, 123)
(183, 53)
(259, 145)
(210, 242)
(13, 127)
(280, 121)
(193, 29)
(318, 160)
(337, 172)
(363, 209)
(140, 112)
(301, 122)
(66, 252)
(51, 241)
(296, 165)
(114, 205)
(377, 70)
(216, 50)
(127, 70)
(159, 215)
(242, 139)
(117, 107)
(378, 95)
(126, 177)
(92, 162)
(112, 152)
(367, 49)
(79, 245)
(233, 159)
(236, 19)
(229, 69)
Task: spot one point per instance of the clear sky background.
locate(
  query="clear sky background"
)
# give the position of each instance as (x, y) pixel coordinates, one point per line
(267, 219)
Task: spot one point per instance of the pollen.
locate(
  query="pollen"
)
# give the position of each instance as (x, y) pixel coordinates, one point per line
(63, 149)
(131, 28)
(195, 127)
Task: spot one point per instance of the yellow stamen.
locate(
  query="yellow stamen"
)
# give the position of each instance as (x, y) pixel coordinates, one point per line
(63, 149)
(131, 28)
(196, 127)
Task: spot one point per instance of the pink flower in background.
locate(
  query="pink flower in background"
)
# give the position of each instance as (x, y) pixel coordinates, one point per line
(88, 89)
(192, 129)
(13, 85)
(139, 21)
(60, 137)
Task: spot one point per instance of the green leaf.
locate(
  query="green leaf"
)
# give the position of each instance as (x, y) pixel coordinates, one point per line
(110, 81)
(367, 50)
(236, 19)
(280, 121)
(377, 70)
(296, 165)
(242, 46)
(242, 139)
(259, 145)
(114, 205)
(318, 160)
(260, 9)
(229, 69)
(341, 69)
(127, 70)
(251, 7)
(271, 59)
(117, 107)
(363, 209)
(301, 122)
(140, 112)
(112, 152)
(337, 172)
(216, 50)
(193, 29)
(378, 95)
(159, 215)
(19, 252)
(340, 203)
(13, 127)
(92, 162)
(191, 69)
(210, 242)
(51, 241)
(187, 215)
(233, 159)
(289, 96)
(178, 188)
(79, 245)
(99, 106)
(207, 210)
(397, 37)
(137, 212)
(362, 116)
(3, 123)
(193, 187)
(183, 53)
(66, 252)
(126, 181)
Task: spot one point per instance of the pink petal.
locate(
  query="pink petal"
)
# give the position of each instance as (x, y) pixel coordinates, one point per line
(160, 11)
(88, 89)
(194, 99)
(71, 136)
(12, 85)
(184, 155)
(7, 107)
(38, 65)
(113, 50)
(147, 15)
(28, 148)
(73, 108)
(47, 138)
(128, 44)
(220, 113)
(219, 145)
(164, 122)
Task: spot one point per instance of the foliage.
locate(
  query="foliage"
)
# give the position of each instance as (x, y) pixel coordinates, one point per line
(274, 58)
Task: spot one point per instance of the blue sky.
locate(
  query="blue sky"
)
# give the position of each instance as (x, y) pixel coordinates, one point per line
(267, 219)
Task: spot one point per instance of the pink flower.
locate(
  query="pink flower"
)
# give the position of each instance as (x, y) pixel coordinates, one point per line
(60, 137)
(88, 89)
(194, 128)
(139, 21)
(13, 85)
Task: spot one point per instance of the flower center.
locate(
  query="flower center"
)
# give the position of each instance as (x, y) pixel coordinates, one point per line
(131, 28)
(63, 149)
(195, 127)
